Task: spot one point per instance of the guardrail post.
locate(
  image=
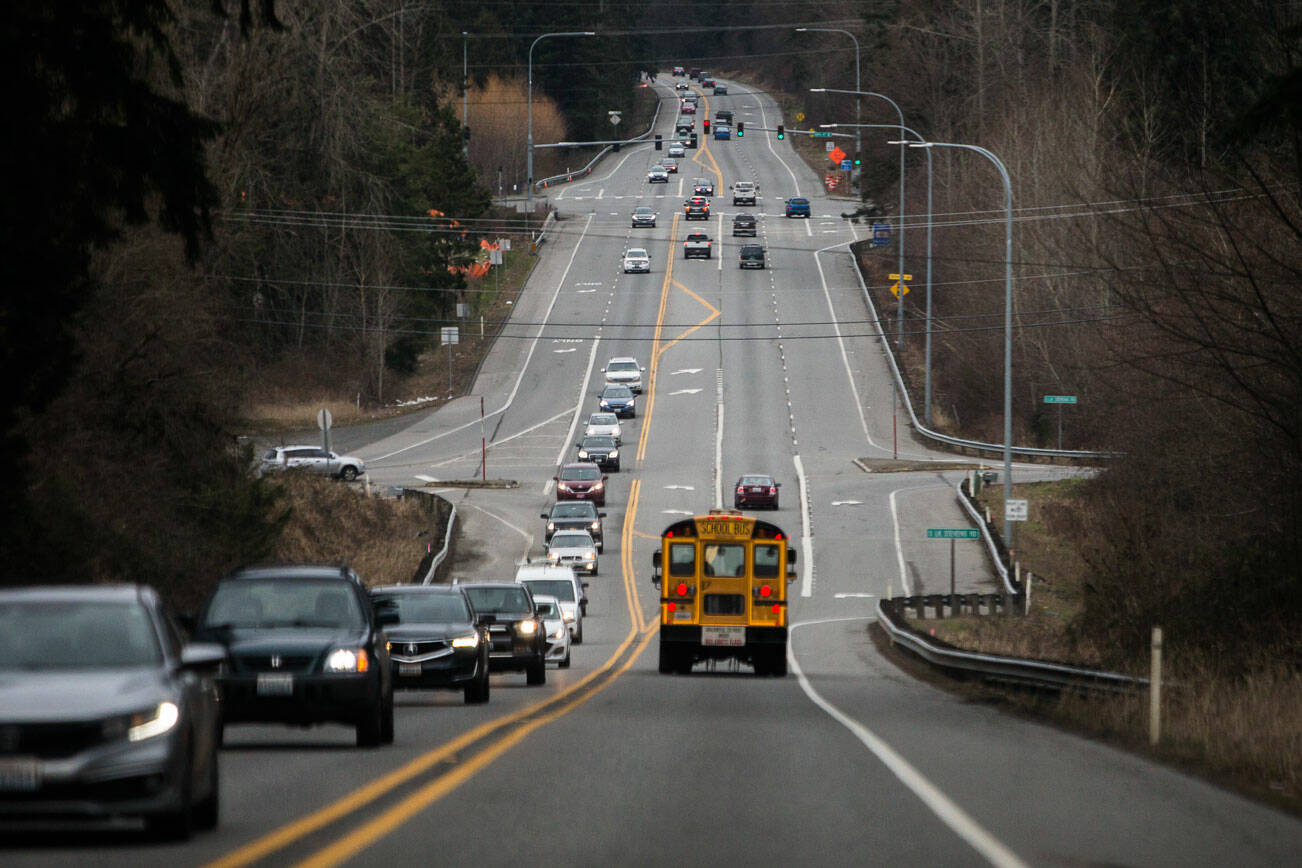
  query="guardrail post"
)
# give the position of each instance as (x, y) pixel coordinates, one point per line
(1027, 586)
(1155, 689)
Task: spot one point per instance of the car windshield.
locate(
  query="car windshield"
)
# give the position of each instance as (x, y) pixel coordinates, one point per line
(603, 419)
(642, 209)
(415, 608)
(283, 603)
(506, 601)
(581, 473)
(547, 609)
(76, 634)
(622, 367)
(571, 541)
(636, 253)
(561, 589)
(579, 509)
(599, 443)
(617, 392)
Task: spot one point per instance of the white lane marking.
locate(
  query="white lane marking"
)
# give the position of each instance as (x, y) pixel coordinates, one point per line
(677, 512)
(806, 536)
(685, 391)
(423, 478)
(582, 291)
(583, 185)
(578, 409)
(680, 488)
(567, 350)
(601, 192)
(524, 368)
(949, 813)
(847, 503)
(845, 596)
(899, 548)
(718, 438)
(840, 341)
(720, 241)
(685, 371)
(528, 537)
(769, 141)
(589, 283)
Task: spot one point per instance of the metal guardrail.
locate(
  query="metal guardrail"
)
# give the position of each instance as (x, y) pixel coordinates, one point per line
(443, 552)
(991, 548)
(566, 177)
(991, 667)
(1026, 451)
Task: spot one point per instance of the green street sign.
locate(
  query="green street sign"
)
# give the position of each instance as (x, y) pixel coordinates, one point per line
(953, 533)
(1060, 399)
(822, 135)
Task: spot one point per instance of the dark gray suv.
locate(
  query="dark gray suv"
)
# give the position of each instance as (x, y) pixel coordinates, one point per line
(574, 515)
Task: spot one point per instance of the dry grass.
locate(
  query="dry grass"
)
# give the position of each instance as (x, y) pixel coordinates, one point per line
(334, 523)
(1236, 722)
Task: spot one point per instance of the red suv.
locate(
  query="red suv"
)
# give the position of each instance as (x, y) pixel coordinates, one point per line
(581, 480)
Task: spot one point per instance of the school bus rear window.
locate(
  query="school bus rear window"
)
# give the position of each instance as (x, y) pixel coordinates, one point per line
(682, 559)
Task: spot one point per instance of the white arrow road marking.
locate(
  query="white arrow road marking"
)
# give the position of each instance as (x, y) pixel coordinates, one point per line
(575, 350)
(676, 511)
(847, 503)
(843, 596)
(581, 291)
(679, 488)
(685, 371)
(685, 392)
(590, 283)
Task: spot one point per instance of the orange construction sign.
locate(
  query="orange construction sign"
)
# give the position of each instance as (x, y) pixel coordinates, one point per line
(836, 155)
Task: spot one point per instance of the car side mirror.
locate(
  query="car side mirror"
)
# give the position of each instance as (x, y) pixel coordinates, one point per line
(777, 485)
(203, 656)
(585, 585)
(601, 515)
(604, 477)
(554, 479)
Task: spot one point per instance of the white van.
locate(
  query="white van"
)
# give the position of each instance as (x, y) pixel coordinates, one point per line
(561, 583)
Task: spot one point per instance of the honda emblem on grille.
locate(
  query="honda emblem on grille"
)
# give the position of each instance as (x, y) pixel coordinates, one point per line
(411, 647)
(276, 661)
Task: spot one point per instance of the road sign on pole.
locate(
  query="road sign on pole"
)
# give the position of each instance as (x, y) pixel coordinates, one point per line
(1060, 399)
(881, 234)
(953, 533)
(1015, 510)
(847, 165)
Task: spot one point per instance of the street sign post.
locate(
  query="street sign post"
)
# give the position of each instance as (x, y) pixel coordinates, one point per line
(881, 234)
(325, 422)
(450, 335)
(900, 286)
(1015, 510)
(847, 165)
(952, 534)
(1060, 400)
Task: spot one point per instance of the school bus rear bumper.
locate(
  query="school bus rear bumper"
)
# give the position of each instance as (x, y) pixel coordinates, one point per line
(690, 635)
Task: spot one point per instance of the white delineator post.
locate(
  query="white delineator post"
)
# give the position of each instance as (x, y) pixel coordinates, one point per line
(1155, 689)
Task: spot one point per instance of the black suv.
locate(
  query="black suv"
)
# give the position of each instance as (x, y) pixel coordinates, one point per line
(743, 224)
(601, 451)
(518, 638)
(437, 642)
(574, 515)
(752, 256)
(305, 646)
(723, 115)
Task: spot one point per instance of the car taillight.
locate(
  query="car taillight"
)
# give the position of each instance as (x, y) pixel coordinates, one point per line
(772, 490)
(741, 489)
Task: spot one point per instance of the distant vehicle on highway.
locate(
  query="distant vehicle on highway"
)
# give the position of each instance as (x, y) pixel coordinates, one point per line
(657, 175)
(601, 451)
(518, 641)
(676, 149)
(678, 70)
(625, 371)
(312, 459)
(574, 515)
(637, 261)
(722, 131)
(702, 187)
(689, 108)
(751, 256)
(581, 480)
(797, 206)
(743, 225)
(564, 585)
(604, 423)
(103, 712)
(743, 192)
(436, 641)
(574, 549)
(756, 489)
(644, 215)
(696, 208)
(720, 89)
(671, 166)
(619, 400)
(697, 246)
(555, 629)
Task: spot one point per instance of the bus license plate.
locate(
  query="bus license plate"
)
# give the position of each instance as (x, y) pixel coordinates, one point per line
(20, 775)
(275, 684)
(409, 669)
(715, 634)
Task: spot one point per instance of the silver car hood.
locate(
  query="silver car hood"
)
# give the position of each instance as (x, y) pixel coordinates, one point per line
(43, 696)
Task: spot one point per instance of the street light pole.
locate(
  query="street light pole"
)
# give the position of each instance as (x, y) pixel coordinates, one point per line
(858, 99)
(529, 144)
(899, 316)
(1008, 311)
(465, 90)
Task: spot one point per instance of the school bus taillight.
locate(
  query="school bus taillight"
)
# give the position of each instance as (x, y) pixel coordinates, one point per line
(681, 590)
(766, 591)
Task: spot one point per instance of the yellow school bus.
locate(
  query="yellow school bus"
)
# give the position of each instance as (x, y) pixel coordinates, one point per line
(723, 591)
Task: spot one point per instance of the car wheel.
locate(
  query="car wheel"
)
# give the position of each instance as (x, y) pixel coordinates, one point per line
(207, 811)
(348, 474)
(578, 635)
(565, 664)
(584, 609)
(477, 690)
(594, 571)
(536, 674)
(386, 721)
(371, 727)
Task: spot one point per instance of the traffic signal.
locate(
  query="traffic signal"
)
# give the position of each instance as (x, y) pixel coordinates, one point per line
(741, 129)
(659, 143)
(706, 125)
(857, 161)
(782, 131)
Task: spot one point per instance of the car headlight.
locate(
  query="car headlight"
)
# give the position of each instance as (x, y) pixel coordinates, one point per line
(558, 635)
(466, 641)
(596, 525)
(347, 660)
(583, 453)
(631, 402)
(527, 627)
(562, 486)
(614, 453)
(605, 405)
(551, 527)
(145, 724)
(567, 616)
(553, 557)
(589, 556)
(599, 486)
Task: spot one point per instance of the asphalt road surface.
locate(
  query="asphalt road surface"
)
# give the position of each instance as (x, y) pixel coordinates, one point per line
(845, 761)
